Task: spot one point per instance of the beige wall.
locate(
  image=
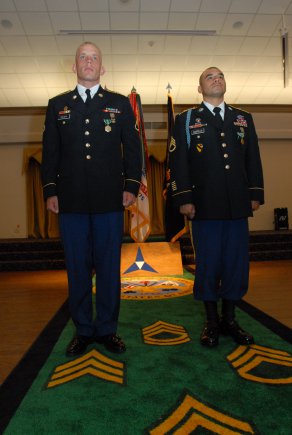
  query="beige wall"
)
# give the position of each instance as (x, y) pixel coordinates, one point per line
(25, 129)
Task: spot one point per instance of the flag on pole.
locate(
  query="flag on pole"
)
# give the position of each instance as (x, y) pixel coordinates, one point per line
(175, 225)
(140, 216)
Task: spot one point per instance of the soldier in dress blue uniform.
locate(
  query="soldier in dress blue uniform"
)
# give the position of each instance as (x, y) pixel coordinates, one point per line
(217, 182)
(91, 169)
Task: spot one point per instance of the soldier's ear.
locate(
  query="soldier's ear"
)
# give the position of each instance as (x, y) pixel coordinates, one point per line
(199, 89)
(74, 67)
(102, 70)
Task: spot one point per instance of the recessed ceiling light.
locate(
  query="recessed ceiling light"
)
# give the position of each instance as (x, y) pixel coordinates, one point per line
(237, 24)
(6, 24)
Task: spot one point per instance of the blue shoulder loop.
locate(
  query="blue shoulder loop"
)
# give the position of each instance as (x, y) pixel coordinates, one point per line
(188, 118)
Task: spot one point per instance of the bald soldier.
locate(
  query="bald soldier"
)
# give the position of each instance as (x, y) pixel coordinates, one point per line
(217, 183)
(91, 170)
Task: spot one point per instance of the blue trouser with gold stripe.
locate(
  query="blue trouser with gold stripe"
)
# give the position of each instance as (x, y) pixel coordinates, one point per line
(93, 242)
(222, 259)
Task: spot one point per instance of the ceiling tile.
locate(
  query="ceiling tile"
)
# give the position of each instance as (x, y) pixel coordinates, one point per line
(7, 67)
(154, 21)
(16, 26)
(64, 5)
(30, 5)
(151, 44)
(16, 45)
(171, 63)
(246, 6)
(24, 64)
(121, 78)
(203, 45)
(16, 97)
(65, 21)
(185, 5)
(54, 79)
(215, 6)
(124, 62)
(155, 5)
(50, 64)
(36, 23)
(253, 46)
(244, 63)
(197, 63)
(43, 44)
(121, 6)
(250, 55)
(94, 20)
(8, 81)
(7, 5)
(124, 44)
(264, 25)
(38, 97)
(182, 21)
(273, 6)
(147, 62)
(148, 77)
(232, 24)
(210, 21)
(177, 44)
(92, 5)
(68, 44)
(124, 21)
(31, 80)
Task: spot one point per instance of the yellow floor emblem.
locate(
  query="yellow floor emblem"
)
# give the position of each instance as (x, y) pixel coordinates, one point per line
(191, 414)
(162, 287)
(93, 363)
(165, 334)
(262, 364)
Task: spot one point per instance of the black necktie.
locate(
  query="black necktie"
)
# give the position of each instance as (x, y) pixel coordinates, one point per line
(218, 117)
(88, 98)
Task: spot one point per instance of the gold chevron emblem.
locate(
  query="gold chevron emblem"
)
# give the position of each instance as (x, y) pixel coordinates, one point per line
(93, 363)
(191, 414)
(165, 334)
(246, 359)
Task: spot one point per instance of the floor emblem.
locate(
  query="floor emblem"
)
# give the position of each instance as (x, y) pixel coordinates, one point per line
(165, 334)
(262, 364)
(93, 363)
(190, 415)
(155, 288)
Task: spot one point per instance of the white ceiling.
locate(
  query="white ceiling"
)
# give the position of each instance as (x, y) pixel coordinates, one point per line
(36, 55)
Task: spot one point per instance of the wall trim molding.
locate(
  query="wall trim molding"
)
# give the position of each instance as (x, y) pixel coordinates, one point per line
(156, 108)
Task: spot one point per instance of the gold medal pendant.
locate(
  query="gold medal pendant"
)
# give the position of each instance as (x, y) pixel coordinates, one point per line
(108, 128)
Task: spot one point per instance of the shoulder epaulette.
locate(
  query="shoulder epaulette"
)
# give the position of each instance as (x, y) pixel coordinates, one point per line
(186, 110)
(237, 108)
(113, 92)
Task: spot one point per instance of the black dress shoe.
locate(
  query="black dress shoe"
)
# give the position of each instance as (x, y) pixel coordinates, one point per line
(210, 336)
(78, 345)
(236, 332)
(112, 342)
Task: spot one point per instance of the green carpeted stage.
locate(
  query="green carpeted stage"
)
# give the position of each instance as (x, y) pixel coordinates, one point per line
(166, 382)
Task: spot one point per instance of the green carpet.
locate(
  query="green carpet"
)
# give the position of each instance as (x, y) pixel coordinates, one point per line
(166, 382)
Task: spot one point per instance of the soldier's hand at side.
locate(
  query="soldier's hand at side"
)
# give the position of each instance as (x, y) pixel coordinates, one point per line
(128, 199)
(53, 204)
(188, 210)
(255, 205)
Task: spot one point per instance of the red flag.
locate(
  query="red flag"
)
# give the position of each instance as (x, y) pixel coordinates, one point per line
(140, 216)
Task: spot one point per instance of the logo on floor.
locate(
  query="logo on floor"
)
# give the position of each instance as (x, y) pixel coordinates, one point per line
(155, 288)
